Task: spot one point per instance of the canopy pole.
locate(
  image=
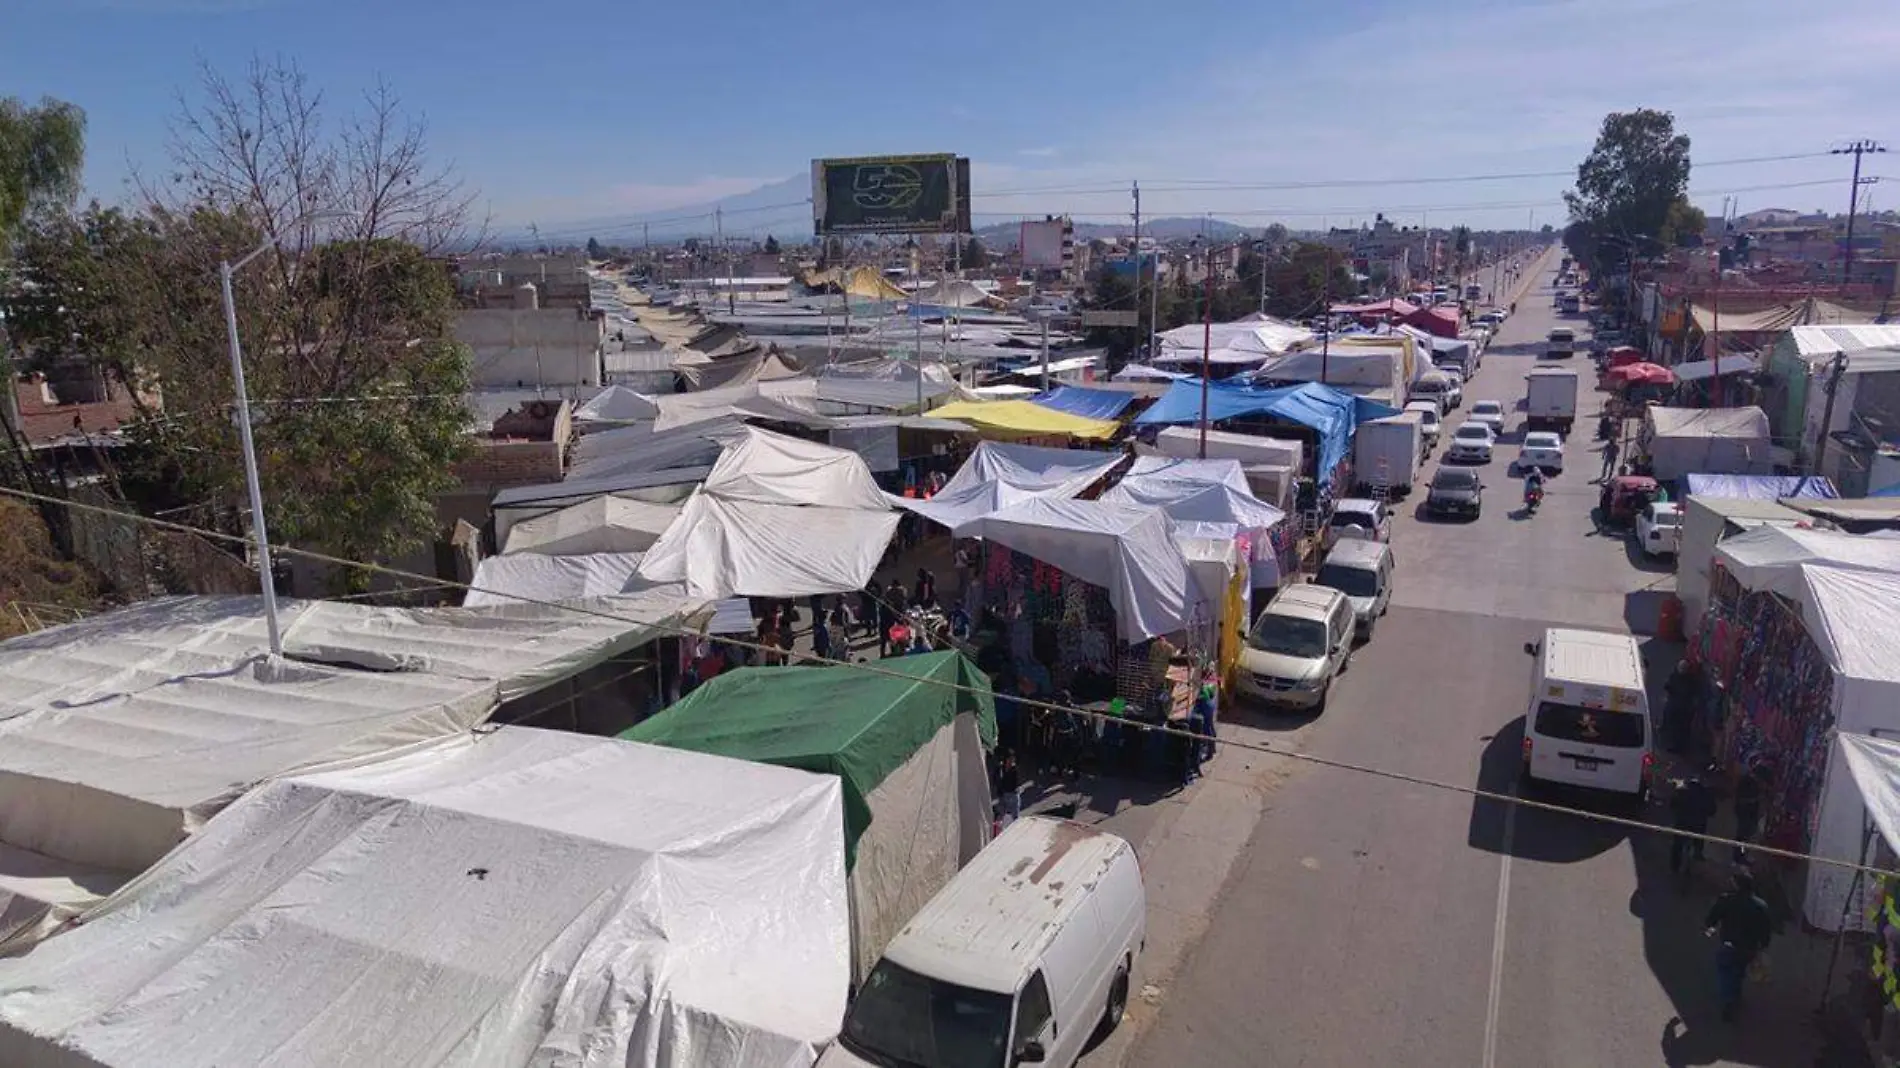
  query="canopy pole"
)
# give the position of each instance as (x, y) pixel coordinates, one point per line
(1207, 345)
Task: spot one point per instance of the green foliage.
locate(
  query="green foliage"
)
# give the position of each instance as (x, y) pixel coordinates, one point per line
(975, 256)
(771, 245)
(1684, 220)
(594, 251)
(1547, 230)
(42, 150)
(1630, 182)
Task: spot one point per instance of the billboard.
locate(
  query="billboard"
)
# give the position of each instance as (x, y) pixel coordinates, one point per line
(1042, 243)
(891, 195)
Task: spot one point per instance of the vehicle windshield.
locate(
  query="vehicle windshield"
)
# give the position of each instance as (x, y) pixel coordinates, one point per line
(1287, 636)
(1351, 581)
(1590, 726)
(1660, 517)
(1541, 441)
(1473, 433)
(1454, 478)
(1487, 408)
(1360, 520)
(901, 1018)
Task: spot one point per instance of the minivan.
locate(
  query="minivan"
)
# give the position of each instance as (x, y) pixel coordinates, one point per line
(1018, 960)
(1299, 642)
(1362, 570)
(1587, 723)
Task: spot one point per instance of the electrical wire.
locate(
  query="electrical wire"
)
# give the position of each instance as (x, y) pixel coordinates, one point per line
(681, 631)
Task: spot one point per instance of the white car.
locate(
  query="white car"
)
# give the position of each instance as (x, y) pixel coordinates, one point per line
(1429, 423)
(1543, 450)
(1358, 517)
(1488, 412)
(1659, 528)
(1472, 443)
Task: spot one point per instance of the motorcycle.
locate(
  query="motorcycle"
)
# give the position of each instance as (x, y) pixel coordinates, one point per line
(1533, 498)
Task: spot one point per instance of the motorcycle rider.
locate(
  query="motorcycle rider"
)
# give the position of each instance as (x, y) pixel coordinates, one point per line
(1533, 486)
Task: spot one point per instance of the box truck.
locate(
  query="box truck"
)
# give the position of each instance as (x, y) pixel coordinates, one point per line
(1389, 449)
(1550, 399)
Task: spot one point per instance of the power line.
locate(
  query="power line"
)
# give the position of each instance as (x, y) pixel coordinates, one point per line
(1474, 792)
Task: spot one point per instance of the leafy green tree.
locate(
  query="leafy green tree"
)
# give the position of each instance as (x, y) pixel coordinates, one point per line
(1632, 179)
(1461, 247)
(1684, 221)
(975, 256)
(42, 151)
(594, 251)
(1547, 230)
(771, 245)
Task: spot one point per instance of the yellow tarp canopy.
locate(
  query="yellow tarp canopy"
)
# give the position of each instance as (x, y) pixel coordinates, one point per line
(1025, 417)
(866, 282)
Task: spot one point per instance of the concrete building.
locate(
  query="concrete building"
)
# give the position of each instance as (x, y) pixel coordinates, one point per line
(1840, 384)
(527, 346)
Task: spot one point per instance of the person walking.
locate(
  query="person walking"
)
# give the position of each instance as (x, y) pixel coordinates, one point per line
(1008, 785)
(1740, 921)
(1610, 451)
(1682, 693)
(821, 639)
(1690, 810)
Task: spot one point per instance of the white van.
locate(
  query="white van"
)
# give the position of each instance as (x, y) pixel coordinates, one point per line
(1587, 723)
(1022, 957)
(1298, 644)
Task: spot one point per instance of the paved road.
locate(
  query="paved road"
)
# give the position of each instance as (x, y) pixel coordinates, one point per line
(1371, 921)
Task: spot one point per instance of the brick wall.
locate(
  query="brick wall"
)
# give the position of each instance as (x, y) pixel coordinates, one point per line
(497, 465)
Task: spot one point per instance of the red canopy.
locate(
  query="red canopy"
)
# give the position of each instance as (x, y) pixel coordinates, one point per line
(1621, 355)
(1395, 308)
(1643, 373)
(1439, 322)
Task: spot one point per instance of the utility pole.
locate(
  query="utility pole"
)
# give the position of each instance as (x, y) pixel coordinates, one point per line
(1857, 149)
(1260, 263)
(1207, 345)
(1827, 414)
(1137, 298)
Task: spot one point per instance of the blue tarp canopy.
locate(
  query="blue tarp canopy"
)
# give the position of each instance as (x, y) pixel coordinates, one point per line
(1085, 402)
(1332, 414)
(1762, 487)
(1890, 491)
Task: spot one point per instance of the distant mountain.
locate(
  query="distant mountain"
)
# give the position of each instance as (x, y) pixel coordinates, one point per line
(1172, 228)
(781, 209)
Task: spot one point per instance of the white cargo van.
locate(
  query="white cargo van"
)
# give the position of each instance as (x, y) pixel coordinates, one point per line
(1587, 723)
(1017, 961)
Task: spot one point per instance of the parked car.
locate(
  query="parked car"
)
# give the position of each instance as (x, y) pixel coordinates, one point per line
(1362, 570)
(1488, 412)
(1455, 491)
(1543, 450)
(1428, 420)
(1472, 443)
(1301, 640)
(1659, 528)
(1358, 517)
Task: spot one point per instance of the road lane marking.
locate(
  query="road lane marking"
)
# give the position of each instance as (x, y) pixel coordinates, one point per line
(1495, 995)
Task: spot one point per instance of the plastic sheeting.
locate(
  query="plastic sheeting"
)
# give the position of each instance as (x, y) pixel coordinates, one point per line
(1761, 487)
(1199, 491)
(617, 404)
(998, 475)
(1862, 796)
(1085, 402)
(508, 578)
(1250, 449)
(1715, 440)
(121, 734)
(1129, 550)
(1771, 558)
(523, 897)
(1026, 417)
(1248, 340)
(1330, 413)
(778, 517)
(602, 525)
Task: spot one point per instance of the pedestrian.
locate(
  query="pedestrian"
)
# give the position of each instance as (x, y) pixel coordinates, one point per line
(883, 617)
(1008, 785)
(1741, 923)
(925, 593)
(1691, 809)
(1748, 797)
(1682, 693)
(821, 639)
(963, 563)
(869, 599)
(1610, 451)
(900, 601)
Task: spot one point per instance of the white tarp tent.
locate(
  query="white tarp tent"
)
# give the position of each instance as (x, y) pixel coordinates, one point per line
(617, 404)
(1861, 795)
(1770, 558)
(1129, 550)
(998, 475)
(777, 517)
(523, 897)
(1250, 340)
(1851, 617)
(602, 525)
(1720, 441)
(1205, 491)
(530, 577)
(121, 734)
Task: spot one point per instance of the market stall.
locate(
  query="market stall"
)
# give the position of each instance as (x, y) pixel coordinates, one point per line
(1677, 441)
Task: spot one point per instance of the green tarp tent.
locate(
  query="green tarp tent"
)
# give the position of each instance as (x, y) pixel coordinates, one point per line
(857, 724)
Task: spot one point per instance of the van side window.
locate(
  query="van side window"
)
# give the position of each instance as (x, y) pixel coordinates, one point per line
(1032, 1011)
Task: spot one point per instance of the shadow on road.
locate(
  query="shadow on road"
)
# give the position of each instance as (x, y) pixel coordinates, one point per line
(1262, 717)
(1642, 610)
(1644, 562)
(1536, 834)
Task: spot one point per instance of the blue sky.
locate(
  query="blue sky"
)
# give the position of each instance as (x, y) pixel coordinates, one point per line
(572, 112)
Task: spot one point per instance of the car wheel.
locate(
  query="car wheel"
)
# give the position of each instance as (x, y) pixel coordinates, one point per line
(1319, 706)
(1117, 1005)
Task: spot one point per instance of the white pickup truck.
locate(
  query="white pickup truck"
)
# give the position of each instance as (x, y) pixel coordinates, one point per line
(1561, 343)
